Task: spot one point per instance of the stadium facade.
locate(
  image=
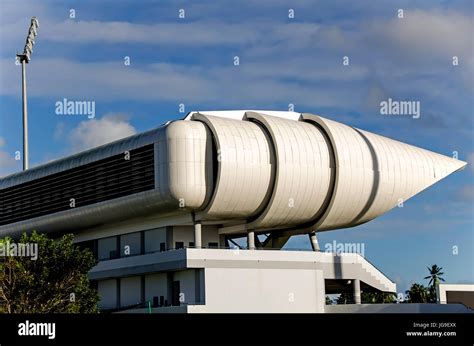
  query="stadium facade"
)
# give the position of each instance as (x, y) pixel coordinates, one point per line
(161, 209)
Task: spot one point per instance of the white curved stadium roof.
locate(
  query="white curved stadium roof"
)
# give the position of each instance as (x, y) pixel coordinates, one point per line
(266, 170)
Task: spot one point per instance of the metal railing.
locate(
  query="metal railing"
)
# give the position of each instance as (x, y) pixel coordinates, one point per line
(147, 305)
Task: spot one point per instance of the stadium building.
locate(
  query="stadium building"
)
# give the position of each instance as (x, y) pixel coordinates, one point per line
(162, 209)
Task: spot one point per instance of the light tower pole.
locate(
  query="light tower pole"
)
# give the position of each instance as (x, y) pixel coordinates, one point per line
(24, 59)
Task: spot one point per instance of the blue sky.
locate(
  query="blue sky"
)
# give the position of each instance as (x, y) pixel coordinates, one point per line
(282, 60)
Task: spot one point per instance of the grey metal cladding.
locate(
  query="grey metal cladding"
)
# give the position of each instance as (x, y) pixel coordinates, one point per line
(172, 175)
(113, 177)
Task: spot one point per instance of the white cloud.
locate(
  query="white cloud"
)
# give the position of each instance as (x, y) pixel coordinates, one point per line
(281, 63)
(278, 61)
(220, 85)
(195, 33)
(8, 164)
(92, 133)
(59, 130)
(435, 32)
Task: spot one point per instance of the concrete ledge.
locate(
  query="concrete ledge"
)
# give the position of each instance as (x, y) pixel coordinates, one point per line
(163, 310)
(137, 265)
(414, 308)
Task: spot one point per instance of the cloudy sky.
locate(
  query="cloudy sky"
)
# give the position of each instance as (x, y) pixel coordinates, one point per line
(282, 61)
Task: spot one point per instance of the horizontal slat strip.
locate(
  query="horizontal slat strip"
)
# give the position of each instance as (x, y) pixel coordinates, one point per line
(71, 172)
(59, 199)
(67, 183)
(95, 182)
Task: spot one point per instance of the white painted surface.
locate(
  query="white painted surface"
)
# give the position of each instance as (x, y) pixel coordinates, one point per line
(276, 181)
(240, 114)
(264, 290)
(303, 172)
(183, 160)
(375, 173)
(334, 266)
(444, 288)
(252, 280)
(244, 168)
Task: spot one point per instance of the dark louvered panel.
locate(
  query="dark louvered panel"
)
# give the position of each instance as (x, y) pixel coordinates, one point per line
(95, 182)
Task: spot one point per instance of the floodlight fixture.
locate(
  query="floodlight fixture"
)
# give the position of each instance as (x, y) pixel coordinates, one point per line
(24, 58)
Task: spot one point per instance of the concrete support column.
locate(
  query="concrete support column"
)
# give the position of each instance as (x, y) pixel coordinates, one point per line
(357, 298)
(251, 240)
(320, 291)
(314, 241)
(197, 235)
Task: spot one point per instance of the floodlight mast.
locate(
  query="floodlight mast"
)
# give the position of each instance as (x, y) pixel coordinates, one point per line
(24, 59)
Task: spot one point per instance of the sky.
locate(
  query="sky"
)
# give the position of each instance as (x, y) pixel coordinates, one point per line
(143, 64)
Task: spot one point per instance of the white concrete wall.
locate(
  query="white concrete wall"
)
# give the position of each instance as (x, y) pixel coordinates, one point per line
(130, 291)
(443, 289)
(263, 290)
(108, 293)
(249, 281)
(346, 266)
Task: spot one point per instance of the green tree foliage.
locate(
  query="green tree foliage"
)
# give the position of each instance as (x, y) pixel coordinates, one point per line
(421, 294)
(435, 277)
(378, 298)
(367, 298)
(417, 294)
(56, 282)
(345, 298)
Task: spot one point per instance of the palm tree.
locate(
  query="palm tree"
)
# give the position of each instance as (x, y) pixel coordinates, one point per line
(417, 294)
(435, 275)
(435, 278)
(378, 297)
